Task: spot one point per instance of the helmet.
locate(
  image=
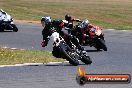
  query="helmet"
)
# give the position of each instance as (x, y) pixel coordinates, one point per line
(45, 20)
(84, 23)
(68, 17)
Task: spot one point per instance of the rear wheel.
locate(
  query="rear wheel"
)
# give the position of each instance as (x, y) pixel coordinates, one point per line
(1, 29)
(86, 59)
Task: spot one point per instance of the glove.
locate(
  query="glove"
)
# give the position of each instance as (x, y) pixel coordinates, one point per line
(43, 43)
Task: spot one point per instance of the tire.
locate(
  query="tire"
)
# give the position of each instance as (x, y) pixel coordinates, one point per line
(86, 59)
(72, 60)
(15, 29)
(56, 52)
(103, 45)
(97, 47)
(1, 28)
(100, 44)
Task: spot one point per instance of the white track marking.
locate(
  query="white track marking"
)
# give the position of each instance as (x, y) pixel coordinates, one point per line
(110, 29)
(13, 48)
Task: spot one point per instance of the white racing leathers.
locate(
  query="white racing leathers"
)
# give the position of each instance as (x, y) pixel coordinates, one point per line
(5, 17)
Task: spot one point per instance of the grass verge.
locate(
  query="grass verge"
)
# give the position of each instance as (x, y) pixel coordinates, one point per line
(11, 57)
(105, 13)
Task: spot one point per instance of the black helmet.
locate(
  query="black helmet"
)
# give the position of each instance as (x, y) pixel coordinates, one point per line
(68, 17)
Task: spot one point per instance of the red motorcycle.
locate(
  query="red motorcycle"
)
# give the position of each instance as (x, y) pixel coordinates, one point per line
(90, 35)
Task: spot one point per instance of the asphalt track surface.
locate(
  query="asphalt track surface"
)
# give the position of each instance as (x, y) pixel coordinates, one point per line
(118, 59)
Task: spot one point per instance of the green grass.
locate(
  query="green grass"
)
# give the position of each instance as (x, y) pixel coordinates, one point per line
(8, 57)
(105, 13)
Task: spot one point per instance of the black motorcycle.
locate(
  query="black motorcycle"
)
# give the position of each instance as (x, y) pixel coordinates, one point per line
(63, 46)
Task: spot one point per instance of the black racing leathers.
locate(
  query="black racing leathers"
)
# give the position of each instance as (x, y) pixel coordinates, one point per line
(58, 25)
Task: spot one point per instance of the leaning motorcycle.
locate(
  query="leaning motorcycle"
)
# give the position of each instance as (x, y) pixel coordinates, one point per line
(94, 37)
(61, 49)
(7, 23)
(72, 41)
(70, 53)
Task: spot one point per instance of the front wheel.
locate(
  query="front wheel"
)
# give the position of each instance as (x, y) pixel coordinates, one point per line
(1, 29)
(70, 57)
(56, 52)
(101, 45)
(14, 27)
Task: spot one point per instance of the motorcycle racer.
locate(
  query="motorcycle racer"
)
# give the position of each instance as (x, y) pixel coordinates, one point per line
(61, 28)
(2, 15)
(65, 45)
(83, 30)
(70, 21)
(91, 35)
(46, 23)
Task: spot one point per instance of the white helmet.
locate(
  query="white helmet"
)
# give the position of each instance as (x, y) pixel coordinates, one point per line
(84, 23)
(45, 20)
